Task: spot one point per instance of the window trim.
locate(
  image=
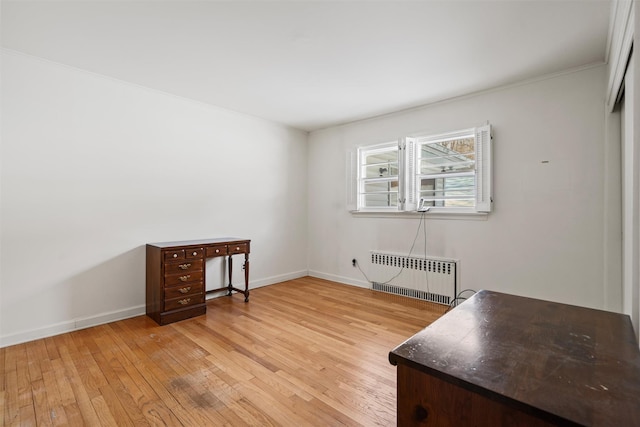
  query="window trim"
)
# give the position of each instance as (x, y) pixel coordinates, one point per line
(408, 192)
(421, 140)
(361, 181)
(446, 214)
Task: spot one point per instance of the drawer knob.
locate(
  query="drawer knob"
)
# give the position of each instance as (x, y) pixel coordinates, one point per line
(238, 248)
(175, 255)
(421, 413)
(195, 253)
(184, 301)
(184, 290)
(217, 251)
(185, 278)
(184, 266)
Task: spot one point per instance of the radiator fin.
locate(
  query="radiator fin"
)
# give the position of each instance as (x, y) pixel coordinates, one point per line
(428, 279)
(412, 293)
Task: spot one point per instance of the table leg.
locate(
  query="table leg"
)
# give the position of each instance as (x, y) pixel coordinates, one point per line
(230, 287)
(246, 277)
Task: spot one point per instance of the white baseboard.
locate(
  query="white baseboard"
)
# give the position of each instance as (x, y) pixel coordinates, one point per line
(340, 279)
(100, 319)
(279, 278)
(263, 282)
(70, 326)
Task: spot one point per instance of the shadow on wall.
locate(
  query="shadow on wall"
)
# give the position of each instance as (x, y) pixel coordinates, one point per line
(112, 290)
(109, 291)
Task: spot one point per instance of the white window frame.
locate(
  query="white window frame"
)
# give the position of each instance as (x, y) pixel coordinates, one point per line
(409, 179)
(363, 181)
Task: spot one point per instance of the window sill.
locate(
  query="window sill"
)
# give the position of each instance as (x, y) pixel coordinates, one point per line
(431, 214)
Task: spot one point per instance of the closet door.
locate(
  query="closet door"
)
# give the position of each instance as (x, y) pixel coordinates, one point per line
(630, 133)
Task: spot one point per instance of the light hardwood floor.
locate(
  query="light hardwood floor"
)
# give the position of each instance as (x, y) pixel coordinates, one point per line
(306, 352)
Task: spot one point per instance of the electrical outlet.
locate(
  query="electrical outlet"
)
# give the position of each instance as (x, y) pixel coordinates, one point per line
(353, 262)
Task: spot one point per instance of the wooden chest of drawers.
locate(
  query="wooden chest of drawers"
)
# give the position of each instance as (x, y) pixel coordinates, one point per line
(176, 286)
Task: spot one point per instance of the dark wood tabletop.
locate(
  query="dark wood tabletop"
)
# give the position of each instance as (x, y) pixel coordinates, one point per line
(568, 364)
(200, 242)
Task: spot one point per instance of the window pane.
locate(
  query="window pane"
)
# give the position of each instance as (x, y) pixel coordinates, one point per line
(448, 191)
(381, 193)
(456, 155)
(380, 163)
(381, 200)
(381, 170)
(388, 155)
(381, 187)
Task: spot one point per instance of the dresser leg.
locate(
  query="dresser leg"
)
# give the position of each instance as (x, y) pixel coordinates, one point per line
(230, 287)
(246, 277)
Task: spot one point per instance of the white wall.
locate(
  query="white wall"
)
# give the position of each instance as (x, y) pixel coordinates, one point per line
(94, 168)
(546, 236)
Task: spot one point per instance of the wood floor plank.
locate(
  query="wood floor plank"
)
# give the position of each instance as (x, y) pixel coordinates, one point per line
(112, 402)
(74, 380)
(10, 403)
(54, 402)
(51, 348)
(27, 417)
(101, 408)
(74, 415)
(5, 418)
(232, 399)
(304, 352)
(156, 378)
(121, 400)
(40, 403)
(65, 391)
(274, 407)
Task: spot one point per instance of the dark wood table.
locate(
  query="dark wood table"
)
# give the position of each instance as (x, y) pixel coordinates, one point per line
(504, 360)
(175, 282)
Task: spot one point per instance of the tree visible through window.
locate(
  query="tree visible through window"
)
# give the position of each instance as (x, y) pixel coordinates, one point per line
(446, 171)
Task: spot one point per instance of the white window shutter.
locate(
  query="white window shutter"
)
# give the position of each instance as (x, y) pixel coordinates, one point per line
(484, 196)
(352, 180)
(411, 194)
(402, 183)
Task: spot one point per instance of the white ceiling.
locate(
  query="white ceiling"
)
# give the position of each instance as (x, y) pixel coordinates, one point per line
(313, 64)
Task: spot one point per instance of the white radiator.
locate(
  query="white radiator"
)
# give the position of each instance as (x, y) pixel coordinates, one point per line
(429, 279)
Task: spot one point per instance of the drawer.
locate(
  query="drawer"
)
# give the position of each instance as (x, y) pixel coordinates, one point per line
(183, 267)
(238, 248)
(183, 291)
(182, 302)
(169, 255)
(194, 253)
(217, 250)
(179, 279)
